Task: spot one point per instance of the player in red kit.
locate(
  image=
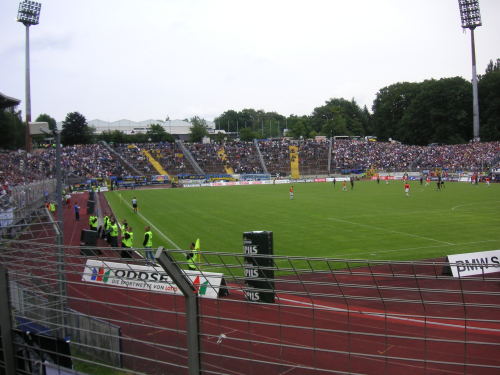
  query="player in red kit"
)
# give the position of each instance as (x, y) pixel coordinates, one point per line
(407, 189)
(291, 192)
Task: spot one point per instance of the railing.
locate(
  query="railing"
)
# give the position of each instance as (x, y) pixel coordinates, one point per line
(329, 316)
(189, 156)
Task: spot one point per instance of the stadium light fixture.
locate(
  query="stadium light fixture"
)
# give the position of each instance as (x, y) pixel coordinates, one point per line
(469, 13)
(471, 18)
(28, 14)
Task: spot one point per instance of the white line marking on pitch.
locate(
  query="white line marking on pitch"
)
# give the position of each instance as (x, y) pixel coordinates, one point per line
(419, 248)
(150, 224)
(388, 230)
(469, 204)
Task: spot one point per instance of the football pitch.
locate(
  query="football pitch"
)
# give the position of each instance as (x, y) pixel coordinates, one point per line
(372, 221)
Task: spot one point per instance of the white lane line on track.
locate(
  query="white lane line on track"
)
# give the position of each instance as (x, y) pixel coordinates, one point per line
(150, 224)
(389, 230)
(389, 316)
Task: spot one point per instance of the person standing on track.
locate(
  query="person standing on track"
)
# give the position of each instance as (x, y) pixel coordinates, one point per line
(148, 245)
(93, 222)
(127, 242)
(113, 233)
(134, 204)
(194, 255)
(76, 208)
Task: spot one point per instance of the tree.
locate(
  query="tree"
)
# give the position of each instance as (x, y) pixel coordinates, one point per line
(113, 136)
(339, 117)
(198, 129)
(269, 124)
(489, 105)
(157, 133)
(493, 66)
(75, 130)
(441, 112)
(389, 107)
(46, 118)
(299, 126)
(12, 129)
(247, 134)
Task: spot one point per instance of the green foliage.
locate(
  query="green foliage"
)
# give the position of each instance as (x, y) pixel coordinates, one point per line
(489, 105)
(266, 124)
(247, 134)
(421, 113)
(157, 133)
(389, 107)
(46, 118)
(75, 130)
(299, 126)
(113, 136)
(491, 67)
(198, 129)
(12, 130)
(339, 117)
(440, 112)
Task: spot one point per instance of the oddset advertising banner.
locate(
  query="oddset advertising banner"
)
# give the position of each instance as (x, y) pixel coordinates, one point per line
(149, 278)
(474, 263)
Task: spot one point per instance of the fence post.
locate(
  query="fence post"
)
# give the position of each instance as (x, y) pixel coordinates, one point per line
(6, 324)
(192, 323)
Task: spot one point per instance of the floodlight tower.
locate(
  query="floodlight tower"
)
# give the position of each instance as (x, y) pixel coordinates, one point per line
(471, 18)
(28, 14)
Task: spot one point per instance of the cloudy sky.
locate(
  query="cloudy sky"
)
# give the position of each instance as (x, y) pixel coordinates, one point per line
(115, 59)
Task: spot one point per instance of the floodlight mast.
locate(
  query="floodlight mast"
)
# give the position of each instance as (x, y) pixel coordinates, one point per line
(471, 18)
(28, 14)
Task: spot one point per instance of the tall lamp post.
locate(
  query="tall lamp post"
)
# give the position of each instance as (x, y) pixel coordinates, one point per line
(471, 18)
(28, 14)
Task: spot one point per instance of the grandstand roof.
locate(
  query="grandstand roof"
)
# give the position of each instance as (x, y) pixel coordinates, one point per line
(8, 102)
(175, 127)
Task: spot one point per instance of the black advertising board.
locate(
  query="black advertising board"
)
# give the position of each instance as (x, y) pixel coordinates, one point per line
(259, 266)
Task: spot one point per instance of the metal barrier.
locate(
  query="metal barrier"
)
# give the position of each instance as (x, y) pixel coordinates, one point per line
(329, 316)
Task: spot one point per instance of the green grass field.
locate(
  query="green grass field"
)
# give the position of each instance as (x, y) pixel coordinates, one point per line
(370, 222)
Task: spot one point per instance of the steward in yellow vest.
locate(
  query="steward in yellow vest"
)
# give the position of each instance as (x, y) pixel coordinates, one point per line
(93, 222)
(127, 242)
(148, 245)
(113, 233)
(194, 255)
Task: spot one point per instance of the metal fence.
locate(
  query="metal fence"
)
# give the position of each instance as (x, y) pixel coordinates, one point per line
(327, 316)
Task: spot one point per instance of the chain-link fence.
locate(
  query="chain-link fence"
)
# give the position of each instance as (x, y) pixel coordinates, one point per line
(109, 312)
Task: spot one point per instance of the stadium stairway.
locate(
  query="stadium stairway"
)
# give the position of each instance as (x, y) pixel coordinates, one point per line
(189, 156)
(263, 165)
(294, 161)
(157, 166)
(221, 153)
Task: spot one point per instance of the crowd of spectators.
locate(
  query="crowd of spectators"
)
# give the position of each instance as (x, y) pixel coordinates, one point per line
(208, 156)
(470, 156)
(217, 158)
(89, 161)
(19, 167)
(168, 155)
(243, 157)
